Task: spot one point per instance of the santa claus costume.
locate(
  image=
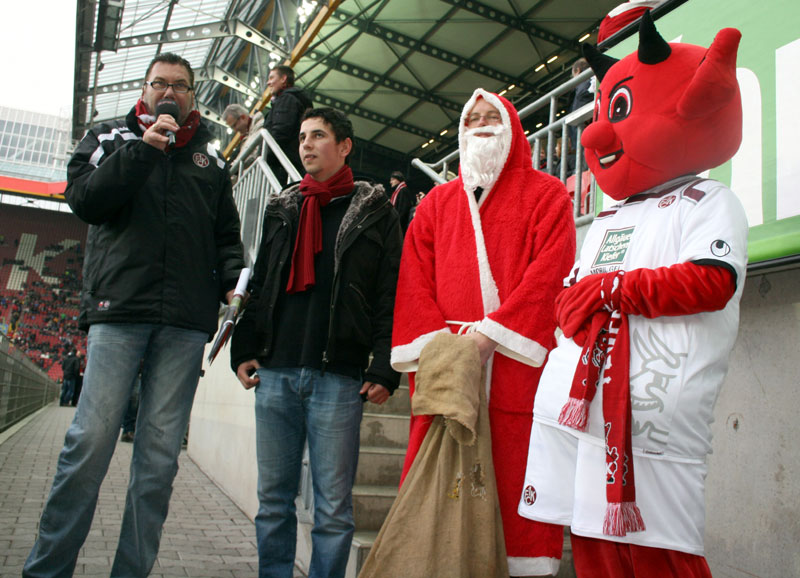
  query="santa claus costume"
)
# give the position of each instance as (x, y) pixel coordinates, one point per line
(622, 419)
(492, 262)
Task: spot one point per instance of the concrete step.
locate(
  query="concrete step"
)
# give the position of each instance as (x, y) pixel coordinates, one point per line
(359, 550)
(380, 466)
(371, 504)
(363, 541)
(384, 430)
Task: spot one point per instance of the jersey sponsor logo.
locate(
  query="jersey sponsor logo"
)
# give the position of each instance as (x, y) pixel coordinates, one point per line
(200, 160)
(666, 201)
(612, 250)
(720, 248)
(529, 495)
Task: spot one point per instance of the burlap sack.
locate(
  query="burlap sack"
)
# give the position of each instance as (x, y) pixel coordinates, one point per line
(445, 522)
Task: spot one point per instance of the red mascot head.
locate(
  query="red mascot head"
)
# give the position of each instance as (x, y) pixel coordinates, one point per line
(665, 111)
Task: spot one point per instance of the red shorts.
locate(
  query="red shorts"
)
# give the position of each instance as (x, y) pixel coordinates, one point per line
(596, 558)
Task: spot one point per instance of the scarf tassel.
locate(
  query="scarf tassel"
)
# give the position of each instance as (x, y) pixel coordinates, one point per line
(575, 414)
(621, 518)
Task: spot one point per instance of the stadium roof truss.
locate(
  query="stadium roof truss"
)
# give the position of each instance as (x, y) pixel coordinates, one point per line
(401, 69)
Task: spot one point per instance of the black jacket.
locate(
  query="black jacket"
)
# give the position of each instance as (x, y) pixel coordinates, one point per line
(367, 259)
(163, 244)
(71, 367)
(403, 204)
(283, 121)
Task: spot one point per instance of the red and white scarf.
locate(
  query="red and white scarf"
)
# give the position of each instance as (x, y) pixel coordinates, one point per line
(399, 188)
(606, 350)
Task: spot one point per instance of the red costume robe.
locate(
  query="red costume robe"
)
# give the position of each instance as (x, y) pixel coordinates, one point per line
(496, 263)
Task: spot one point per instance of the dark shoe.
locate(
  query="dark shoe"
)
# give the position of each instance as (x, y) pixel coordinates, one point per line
(126, 437)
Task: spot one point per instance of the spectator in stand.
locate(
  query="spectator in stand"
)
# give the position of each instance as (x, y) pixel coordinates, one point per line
(79, 382)
(239, 120)
(402, 198)
(70, 367)
(129, 421)
(288, 104)
(164, 248)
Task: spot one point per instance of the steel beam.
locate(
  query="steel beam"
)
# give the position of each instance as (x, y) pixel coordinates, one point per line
(490, 13)
(375, 78)
(350, 108)
(388, 35)
(214, 73)
(219, 29)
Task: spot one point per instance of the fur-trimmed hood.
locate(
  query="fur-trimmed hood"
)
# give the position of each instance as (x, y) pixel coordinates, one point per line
(516, 148)
(368, 197)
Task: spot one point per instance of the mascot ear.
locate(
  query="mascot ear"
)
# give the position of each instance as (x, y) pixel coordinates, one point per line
(599, 62)
(652, 47)
(714, 84)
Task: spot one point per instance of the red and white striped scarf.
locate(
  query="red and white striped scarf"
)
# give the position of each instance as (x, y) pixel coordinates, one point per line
(606, 350)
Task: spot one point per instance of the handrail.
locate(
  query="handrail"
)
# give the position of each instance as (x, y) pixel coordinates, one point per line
(255, 183)
(263, 136)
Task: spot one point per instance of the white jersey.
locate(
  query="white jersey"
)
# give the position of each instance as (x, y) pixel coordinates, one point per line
(677, 365)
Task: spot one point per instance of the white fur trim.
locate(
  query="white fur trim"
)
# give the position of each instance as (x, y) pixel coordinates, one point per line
(633, 4)
(540, 566)
(489, 293)
(405, 358)
(495, 101)
(512, 344)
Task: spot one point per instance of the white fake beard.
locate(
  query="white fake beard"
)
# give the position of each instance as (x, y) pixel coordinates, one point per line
(484, 157)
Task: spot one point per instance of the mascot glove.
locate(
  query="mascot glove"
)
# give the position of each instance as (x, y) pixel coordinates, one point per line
(682, 289)
(576, 305)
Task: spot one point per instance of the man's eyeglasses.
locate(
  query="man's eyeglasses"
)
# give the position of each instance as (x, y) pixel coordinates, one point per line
(491, 118)
(161, 86)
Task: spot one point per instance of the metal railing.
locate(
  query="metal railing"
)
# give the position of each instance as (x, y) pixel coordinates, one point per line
(24, 388)
(255, 184)
(548, 135)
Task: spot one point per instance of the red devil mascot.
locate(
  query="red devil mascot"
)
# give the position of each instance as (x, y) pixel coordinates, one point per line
(649, 316)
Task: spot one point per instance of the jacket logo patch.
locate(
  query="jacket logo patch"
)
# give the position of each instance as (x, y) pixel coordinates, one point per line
(613, 248)
(666, 202)
(720, 248)
(200, 160)
(529, 495)
(104, 305)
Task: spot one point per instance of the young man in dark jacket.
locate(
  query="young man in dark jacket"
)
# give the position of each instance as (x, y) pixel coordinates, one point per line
(163, 250)
(288, 105)
(322, 301)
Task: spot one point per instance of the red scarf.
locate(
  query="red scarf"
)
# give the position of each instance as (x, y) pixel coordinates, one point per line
(399, 188)
(607, 348)
(309, 230)
(185, 132)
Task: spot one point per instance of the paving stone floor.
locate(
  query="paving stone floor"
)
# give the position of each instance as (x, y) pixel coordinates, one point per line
(205, 534)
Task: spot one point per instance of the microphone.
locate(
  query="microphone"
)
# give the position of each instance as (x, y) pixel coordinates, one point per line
(169, 107)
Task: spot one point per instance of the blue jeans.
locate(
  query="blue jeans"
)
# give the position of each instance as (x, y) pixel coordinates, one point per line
(171, 369)
(292, 404)
(67, 390)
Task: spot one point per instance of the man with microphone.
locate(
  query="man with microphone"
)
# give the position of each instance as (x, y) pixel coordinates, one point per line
(163, 250)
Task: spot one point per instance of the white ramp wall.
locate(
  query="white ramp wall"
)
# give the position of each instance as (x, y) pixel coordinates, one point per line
(753, 485)
(222, 434)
